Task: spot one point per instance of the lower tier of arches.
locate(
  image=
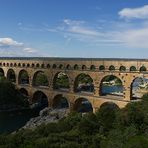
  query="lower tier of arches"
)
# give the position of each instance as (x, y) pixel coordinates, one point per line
(74, 102)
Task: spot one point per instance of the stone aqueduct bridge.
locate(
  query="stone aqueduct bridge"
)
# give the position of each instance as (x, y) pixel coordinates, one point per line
(125, 69)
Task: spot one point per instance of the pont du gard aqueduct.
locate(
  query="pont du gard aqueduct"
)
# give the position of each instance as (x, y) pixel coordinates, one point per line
(75, 81)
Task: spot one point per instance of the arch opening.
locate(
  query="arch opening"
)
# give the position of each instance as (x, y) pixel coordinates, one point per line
(68, 67)
(142, 68)
(76, 67)
(84, 67)
(1, 73)
(133, 68)
(83, 83)
(111, 68)
(139, 87)
(111, 85)
(109, 105)
(82, 105)
(122, 68)
(11, 76)
(60, 102)
(101, 67)
(39, 100)
(40, 79)
(23, 77)
(61, 81)
(92, 67)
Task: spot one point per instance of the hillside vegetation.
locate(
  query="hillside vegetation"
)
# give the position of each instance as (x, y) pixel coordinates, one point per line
(108, 128)
(10, 97)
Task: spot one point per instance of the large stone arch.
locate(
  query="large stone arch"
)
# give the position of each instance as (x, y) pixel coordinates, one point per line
(2, 73)
(83, 83)
(138, 87)
(40, 100)
(82, 105)
(61, 81)
(40, 79)
(23, 77)
(109, 104)
(11, 76)
(60, 101)
(113, 86)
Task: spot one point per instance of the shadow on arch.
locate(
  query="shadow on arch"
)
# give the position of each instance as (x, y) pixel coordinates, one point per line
(23, 77)
(82, 105)
(39, 100)
(109, 105)
(11, 75)
(1, 72)
(60, 102)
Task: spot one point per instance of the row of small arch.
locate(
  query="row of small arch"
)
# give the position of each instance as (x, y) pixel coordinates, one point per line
(75, 67)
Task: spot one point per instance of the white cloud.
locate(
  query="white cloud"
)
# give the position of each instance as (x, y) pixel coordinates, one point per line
(139, 13)
(30, 50)
(9, 42)
(9, 47)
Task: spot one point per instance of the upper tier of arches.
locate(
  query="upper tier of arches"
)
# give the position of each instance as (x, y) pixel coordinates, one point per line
(82, 79)
(84, 67)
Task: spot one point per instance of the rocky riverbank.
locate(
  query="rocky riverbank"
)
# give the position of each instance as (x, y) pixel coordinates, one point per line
(46, 116)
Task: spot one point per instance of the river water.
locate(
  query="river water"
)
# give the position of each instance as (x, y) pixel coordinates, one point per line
(11, 121)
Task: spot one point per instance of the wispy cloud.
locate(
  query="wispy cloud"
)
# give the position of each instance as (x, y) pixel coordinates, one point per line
(79, 30)
(136, 38)
(30, 50)
(133, 34)
(138, 13)
(102, 32)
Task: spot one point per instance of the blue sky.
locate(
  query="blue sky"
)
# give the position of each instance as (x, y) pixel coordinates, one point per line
(74, 28)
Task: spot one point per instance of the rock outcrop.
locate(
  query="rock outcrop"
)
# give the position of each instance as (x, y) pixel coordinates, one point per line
(46, 115)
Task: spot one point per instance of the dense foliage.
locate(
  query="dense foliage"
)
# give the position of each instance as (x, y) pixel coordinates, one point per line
(40, 79)
(61, 81)
(10, 97)
(110, 127)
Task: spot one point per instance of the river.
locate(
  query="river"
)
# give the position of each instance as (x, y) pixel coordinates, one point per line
(11, 121)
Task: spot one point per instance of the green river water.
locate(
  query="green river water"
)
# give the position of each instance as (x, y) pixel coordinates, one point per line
(13, 120)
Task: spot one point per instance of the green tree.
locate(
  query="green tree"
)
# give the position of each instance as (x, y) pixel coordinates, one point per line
(41, 80)
(9, 95)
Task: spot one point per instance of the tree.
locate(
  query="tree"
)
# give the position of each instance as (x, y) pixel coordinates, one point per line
(9, 95)
(41, 79)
